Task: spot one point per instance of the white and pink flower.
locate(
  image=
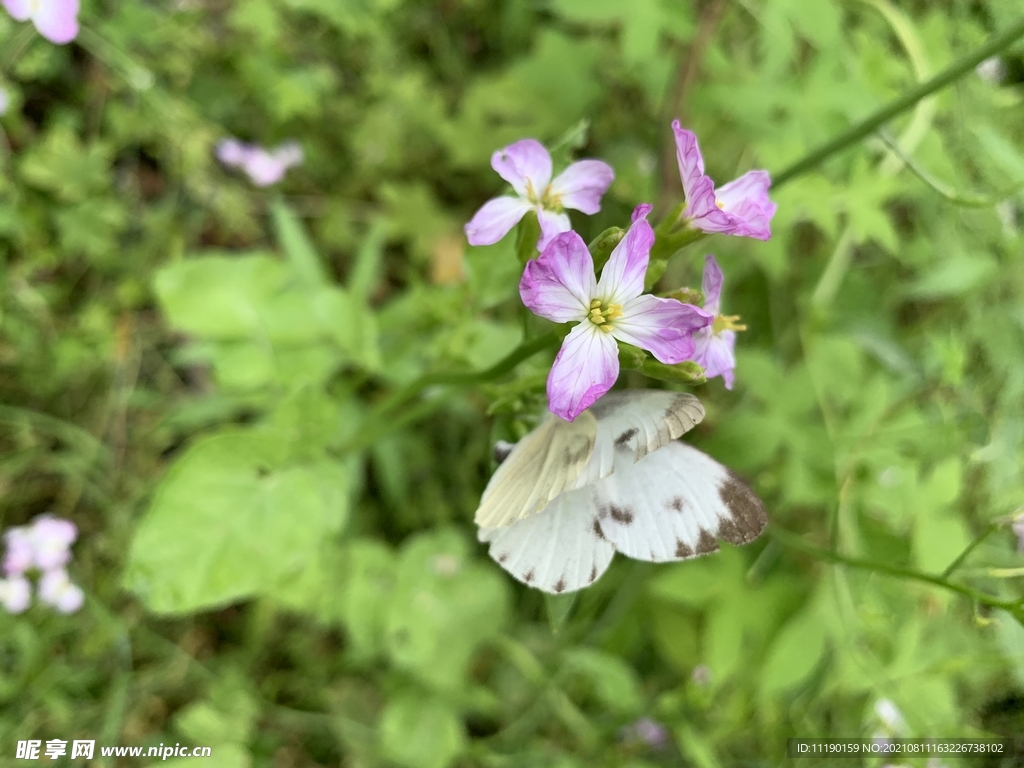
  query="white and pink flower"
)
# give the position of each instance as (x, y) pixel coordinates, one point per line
(561, 286)
(526, 165)
(741, 207)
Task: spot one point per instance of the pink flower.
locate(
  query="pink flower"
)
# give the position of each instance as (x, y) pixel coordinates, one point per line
(526, 165)
(741, 207)
(20, 554)
(51, 539)
(56, 589)
(263, 167)
(561, 286)
(15, 594)
(714, 344)
(56, 20)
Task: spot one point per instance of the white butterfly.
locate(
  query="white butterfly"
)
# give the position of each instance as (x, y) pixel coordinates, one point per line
(568, 495)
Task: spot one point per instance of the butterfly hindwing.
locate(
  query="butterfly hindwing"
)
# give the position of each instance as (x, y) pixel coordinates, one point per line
(674, 504)
(561, 550)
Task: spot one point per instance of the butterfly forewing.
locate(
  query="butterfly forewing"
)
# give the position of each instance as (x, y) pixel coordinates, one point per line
(540, 466)
(674, 504)
(634, 423)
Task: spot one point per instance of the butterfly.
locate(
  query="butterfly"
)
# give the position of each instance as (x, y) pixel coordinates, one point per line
(569, 495)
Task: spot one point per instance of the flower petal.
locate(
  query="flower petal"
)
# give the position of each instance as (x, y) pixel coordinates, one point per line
(19, 9)
(289, 154)
(494, 220)
(747, 199)
(232, 152)
(526, 165)
(263, 168)
(581, 185)
(691, 162)
(664, 327)
(560, 283)
(711, 285)
(714, 351)
(622, 278)
(57, 20)
(551, 224)
(586, 367)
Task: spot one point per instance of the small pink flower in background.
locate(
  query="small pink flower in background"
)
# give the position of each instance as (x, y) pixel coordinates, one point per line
(741, 207)
(1018, 529)
(648, 731)
(52, 538)
(20, 554)
(714, 344)
(526, 165)
(15, 594)
(263, 167)
(561, 286)
(56, 589)
(56, 20)
(43, 546)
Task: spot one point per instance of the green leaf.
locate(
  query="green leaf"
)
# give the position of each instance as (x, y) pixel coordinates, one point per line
(418, 731)
(444, 606)
(607, 678)
(954, 276)
(559, 607)
(222, 524)
(297, 246)
(795, 652)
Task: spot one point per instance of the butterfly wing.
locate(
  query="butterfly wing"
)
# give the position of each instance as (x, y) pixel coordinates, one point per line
(674, 504)
(539, 467)
(634, 423)
(561, 550)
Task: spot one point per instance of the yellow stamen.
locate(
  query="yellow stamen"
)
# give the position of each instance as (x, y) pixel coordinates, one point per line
(727, 323)
(720, 204)
(600, 316)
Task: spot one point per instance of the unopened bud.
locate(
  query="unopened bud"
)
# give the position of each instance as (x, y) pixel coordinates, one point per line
(601, 247)
(686, 296)
(630, 357)
(687, 372)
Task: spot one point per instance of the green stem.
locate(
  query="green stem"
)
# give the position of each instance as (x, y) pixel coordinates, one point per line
(384, 418)
(788, 539)
(906, 101)
(17, 45)
(992, 528)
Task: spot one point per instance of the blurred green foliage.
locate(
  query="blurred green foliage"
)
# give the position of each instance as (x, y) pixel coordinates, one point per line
(188, 368)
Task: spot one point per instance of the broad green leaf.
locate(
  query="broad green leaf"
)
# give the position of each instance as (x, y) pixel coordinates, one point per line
(795, 652)
(420, 731)
(230, 519)
(297, 246)
(444, 605)
(610, 680)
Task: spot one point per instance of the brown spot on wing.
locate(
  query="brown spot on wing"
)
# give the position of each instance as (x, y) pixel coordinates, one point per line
(625, 437)
(683, 549)
(677, 504)
(528, 576)
(503, 557)
(706, 543)
(560, 586)
(597, 529)
(593, 574)
(747, 518)
(622, 515)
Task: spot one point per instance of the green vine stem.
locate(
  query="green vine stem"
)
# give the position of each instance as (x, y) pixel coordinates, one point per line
(385, 416)
(793, 541)
(872, 123)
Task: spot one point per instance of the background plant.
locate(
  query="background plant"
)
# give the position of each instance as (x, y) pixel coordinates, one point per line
(223, 387)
